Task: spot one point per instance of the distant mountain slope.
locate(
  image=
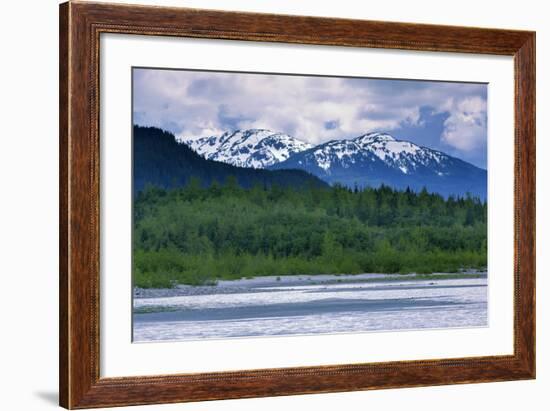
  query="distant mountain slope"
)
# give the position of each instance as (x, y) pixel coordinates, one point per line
(160, 160)
(378, 158)
(254, 148)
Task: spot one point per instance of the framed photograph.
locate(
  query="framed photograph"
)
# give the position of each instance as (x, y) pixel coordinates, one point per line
(259, 205)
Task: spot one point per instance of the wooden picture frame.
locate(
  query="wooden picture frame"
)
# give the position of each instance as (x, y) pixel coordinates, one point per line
(80, 27)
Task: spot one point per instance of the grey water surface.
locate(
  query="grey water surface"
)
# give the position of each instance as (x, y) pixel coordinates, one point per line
(300, 305)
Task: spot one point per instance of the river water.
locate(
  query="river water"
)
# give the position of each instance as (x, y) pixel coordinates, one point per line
(309, 305)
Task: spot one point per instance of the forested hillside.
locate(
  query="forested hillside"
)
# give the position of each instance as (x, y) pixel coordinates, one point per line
(203, 232)
(160, 160)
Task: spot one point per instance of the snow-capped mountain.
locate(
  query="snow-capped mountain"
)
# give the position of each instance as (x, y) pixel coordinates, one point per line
(370, 159)
(377, 158)
(254, 148)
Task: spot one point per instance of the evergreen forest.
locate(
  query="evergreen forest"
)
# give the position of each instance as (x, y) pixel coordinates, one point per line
(204, 231)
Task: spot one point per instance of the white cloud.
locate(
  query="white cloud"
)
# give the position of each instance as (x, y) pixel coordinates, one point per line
(204, 103)
(466, 126)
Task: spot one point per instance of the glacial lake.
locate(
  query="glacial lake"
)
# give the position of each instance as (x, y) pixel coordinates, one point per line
(303, 305)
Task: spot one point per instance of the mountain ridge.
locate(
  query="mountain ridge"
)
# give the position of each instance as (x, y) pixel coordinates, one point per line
(370, 159)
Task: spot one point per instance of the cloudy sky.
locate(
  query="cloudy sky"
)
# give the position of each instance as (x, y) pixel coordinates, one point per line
(451, 117)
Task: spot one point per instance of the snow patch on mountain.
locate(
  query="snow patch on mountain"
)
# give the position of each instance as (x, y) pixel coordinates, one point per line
(399, 154)
(253, 148)
(402, 156)
(346, 152)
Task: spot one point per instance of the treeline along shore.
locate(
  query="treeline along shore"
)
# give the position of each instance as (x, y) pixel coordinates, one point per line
(200, 233)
